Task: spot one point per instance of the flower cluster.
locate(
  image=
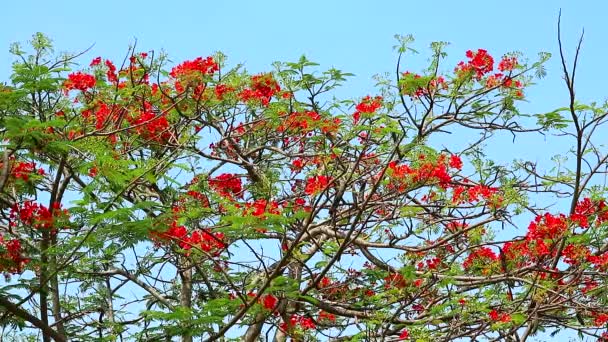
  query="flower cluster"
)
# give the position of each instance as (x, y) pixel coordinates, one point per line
(227, 185)
(11, 256)
(499, 316)
(201, 239)
(426, 172)
(23, 170)
(368, 105)
(79, 81)
(263, 88)
(479, 63)
(195, 68)
(37, 215)
(305, 122)
(262, 207)
(316, 184)
(305, 323)
(481, 255)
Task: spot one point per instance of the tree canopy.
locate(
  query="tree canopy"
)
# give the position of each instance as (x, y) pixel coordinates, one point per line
(149, 200)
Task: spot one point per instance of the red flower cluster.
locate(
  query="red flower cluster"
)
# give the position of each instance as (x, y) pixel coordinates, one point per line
(150, 124)
(600, 319)
(425, 172)
(404, 335)
(260, 207)
(316, 184)
(23, 170)
(95, 61)
(482, 255)
(499, 317)
(547, 226)
(600, 262)
(574, 254)
(263, 88)
(201, 239)
(111, 73)
(269, 302)
(11, 258)
(221, 90)
(326, 316)
(306, 323)
(79, 81)
(197, 68)
(37, 215)
(455, 162)
(507, 63)
(480, 63)
(227, 185)
(471, 194)
(305, 122)
(588, 209)
(367, 105)
(394, 280)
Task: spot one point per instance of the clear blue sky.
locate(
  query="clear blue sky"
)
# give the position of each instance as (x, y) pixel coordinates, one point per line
(355, 36)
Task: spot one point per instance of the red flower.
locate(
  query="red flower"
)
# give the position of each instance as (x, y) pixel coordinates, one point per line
(93, 171)
(404, 335)
(367, 106)
(11, 257)
(325, 316)
(480, 63)
(269, 301)
(95, 61)
(197, 67)
(79, 81)
(221, 90)
(394, 280)
(507, 63)
(600, 319)
(316, 184)
(455, 162)
(482, 254)
(499, 317)
(111, 73)
(263, 87)
(227, 185)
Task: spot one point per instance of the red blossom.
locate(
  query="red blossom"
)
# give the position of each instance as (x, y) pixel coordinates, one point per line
(79, 81)
(263, 88)
(95, 61)
(499, 317)
(11, 256)
(480, 63)
(455, 162)
(507, 63)
(325, 316)
(269, 302)
(197, 67)
(316, 184)
(111, 73)
(482, 255)
(227, 185)
(367, 105)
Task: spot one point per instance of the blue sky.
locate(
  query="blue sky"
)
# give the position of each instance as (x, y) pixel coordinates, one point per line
(355, 36)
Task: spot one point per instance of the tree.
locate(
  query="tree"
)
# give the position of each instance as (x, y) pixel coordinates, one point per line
(149, 201)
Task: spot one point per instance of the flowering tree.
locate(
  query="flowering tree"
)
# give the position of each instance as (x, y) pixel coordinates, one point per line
(151, 202)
